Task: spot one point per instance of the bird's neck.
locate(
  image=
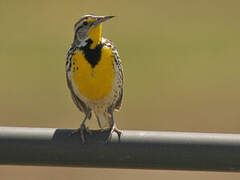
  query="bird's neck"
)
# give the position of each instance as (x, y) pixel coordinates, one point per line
(95, 34)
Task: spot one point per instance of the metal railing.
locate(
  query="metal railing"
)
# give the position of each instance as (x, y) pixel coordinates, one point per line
(135, 149)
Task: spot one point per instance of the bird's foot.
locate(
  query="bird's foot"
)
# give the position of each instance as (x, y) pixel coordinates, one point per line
(81, 131)
(114, 129)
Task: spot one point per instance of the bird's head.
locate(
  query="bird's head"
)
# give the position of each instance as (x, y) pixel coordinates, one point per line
(89, 27)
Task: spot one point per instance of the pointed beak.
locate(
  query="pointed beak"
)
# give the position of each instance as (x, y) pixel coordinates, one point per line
(101, 19)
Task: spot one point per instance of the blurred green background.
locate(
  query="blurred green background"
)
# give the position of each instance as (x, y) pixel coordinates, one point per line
(181, 65)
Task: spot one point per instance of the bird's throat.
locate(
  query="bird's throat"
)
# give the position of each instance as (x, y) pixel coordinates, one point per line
(95, 34)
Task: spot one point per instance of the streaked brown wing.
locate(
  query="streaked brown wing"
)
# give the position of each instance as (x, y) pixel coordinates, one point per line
(120, 71)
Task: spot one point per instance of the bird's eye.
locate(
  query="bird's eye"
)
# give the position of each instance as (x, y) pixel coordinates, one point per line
(85, 23)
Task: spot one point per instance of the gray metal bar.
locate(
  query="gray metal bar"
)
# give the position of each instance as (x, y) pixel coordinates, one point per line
(135, 149)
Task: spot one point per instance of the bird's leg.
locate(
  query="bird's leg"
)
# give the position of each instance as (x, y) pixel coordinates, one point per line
(113, 129)
(99, 123)
(83, 127)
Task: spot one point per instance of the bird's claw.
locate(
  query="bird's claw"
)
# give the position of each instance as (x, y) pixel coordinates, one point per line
(114, 129)
(81, 131)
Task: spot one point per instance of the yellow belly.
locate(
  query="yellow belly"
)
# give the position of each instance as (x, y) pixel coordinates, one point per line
(93, 83)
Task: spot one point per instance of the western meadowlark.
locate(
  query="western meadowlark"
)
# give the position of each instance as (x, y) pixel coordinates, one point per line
(94, 74)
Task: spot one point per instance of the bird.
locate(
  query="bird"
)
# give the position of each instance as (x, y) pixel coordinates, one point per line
(94, 74)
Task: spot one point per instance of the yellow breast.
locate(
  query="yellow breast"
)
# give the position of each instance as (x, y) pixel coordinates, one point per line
(93, 83)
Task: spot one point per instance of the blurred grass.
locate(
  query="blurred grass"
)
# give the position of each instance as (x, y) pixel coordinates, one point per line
(181, 65)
